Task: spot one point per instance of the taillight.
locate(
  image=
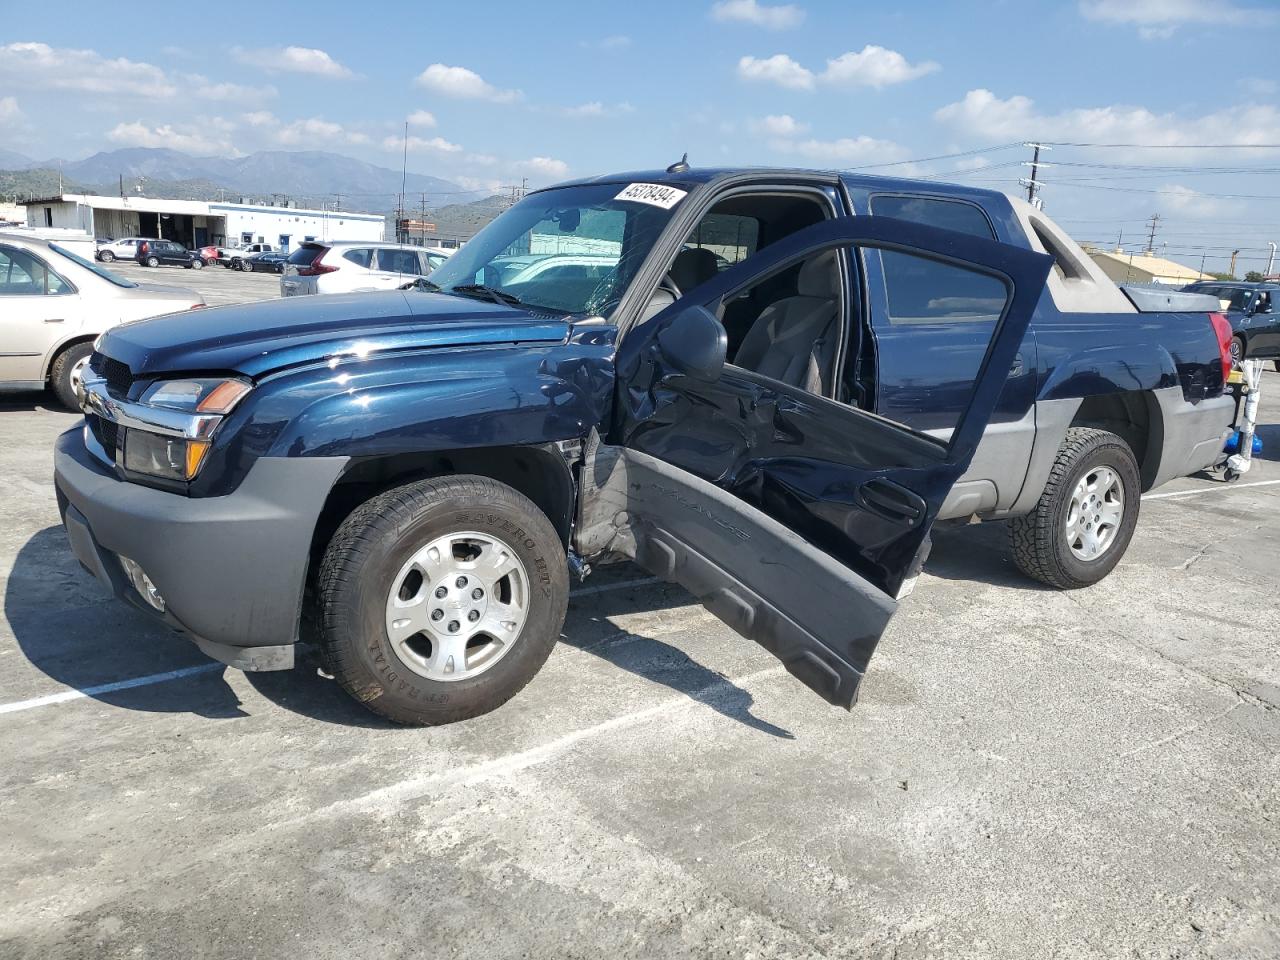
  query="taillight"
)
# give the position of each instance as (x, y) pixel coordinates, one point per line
(1222, 327)
(315, 270)
(143, 248)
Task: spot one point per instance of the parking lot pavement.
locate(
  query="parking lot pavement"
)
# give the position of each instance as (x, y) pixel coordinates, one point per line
(218, 285)
(1029, 774)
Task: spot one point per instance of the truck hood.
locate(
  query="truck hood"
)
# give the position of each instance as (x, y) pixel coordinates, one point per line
(256, 338)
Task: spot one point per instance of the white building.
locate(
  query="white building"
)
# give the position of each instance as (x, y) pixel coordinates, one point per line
(195, 223)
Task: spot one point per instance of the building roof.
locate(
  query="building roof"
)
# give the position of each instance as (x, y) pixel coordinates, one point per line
(198, 208)
(1145, 263)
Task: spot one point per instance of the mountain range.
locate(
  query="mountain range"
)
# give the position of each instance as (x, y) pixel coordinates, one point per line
(307, 175)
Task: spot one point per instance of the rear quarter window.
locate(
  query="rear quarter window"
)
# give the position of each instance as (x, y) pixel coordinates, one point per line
(306, 256)
(360, 256)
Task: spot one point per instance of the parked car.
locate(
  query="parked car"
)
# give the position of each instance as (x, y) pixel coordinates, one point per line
(126, 249)
(53, 303)
(264, 262)
(209, 254)
(416, 473)
(350, 266)
(233, 257)
(1253, 309)
(154, 253)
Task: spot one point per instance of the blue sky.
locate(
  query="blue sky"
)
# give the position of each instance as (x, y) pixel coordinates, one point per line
(502, 91)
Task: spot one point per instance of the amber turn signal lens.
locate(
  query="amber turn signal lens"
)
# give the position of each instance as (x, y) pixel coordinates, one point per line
(222, 397)
(196, 450)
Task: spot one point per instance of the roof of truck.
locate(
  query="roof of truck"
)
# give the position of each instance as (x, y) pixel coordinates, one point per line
(696, 176)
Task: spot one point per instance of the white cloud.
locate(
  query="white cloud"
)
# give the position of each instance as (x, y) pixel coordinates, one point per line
(185, 139)
(779, 69)
(39, 65)
(316, 130)
(208, 90)
(782, 125)
(9, 110)
(463, 84)
(846, 150)
(544, 167)
(874, 66)
(981, 115)
(422, 118)
(259, 118)
(307, 60)
(597, 109)
(780, 17)
(421, 145)
(1159, 19)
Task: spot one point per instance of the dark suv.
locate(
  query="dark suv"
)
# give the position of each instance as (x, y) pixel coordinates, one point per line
(1253, 310)
(152, 253)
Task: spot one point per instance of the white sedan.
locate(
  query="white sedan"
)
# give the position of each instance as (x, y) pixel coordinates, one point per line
(53, 305)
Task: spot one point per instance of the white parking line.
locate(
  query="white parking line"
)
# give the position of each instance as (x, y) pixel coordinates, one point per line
(66, 695)
(1223, 488)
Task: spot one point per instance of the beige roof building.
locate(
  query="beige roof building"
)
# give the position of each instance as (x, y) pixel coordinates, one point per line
(1143, 268)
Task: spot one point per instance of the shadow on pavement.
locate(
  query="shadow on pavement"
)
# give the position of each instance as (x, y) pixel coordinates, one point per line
(978, 552)
(71, 629)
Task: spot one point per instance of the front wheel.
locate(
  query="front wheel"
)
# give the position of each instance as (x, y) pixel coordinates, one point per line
(1086, 515)
(441, 599)
(106, 256)
(246, 266)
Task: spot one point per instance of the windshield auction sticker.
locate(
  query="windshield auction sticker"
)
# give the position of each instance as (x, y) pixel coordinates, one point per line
(654, 194)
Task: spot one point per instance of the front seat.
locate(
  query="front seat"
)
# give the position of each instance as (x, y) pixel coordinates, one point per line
(794, 339)
(693, 267)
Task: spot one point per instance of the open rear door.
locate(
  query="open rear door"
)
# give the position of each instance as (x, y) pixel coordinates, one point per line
(797, 519)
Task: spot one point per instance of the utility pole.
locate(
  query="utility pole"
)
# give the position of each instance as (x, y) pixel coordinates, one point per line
(1151, 237)
(122, 186)
(1232, 271)
(423, 221)
(1031, 183)
(1270, 260)
(1202, 265)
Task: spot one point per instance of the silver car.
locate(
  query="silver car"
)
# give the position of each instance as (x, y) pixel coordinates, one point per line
(53, 305)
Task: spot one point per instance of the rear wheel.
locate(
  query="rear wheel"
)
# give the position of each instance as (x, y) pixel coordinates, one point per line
(197, 264)
(441, 599)
(106, 256)
(65, 374)
(153, 261)
(1086, 515)
(1237, 350)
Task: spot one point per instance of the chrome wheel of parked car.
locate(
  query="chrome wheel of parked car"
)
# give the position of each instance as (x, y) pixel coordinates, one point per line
(457, 606)
(106, 256)
(1097, 506)
(197, 264)
(246, 266)
(153, 261)
(1237, 351)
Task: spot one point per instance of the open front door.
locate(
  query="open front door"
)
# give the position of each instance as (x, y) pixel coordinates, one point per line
(796, 518)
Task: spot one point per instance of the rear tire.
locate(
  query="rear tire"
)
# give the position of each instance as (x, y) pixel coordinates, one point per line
(367, 589)
(153, 261)
(65, 373)
(1237, 350)
(197, 264)
(106, 256)
(1051, 544)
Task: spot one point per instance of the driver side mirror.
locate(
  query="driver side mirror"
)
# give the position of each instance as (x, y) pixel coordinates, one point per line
(695, 344)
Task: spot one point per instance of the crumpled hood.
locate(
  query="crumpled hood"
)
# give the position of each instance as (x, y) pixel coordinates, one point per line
(256, 338)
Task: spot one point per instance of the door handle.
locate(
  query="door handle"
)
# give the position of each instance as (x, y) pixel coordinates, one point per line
(891, 501)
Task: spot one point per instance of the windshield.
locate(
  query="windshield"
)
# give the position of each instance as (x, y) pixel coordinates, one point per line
(92, 267)
(573, 250)
(1232, 298)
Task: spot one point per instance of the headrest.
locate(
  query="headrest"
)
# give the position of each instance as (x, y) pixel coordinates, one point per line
(693, 267)
(819, 277)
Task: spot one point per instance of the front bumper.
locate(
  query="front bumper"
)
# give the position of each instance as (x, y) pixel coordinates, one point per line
(231, 569)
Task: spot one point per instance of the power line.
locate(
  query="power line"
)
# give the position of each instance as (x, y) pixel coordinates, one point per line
(941, 156)
(1164, 146)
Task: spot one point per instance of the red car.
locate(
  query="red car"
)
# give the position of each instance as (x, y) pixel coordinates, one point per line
(209, 254)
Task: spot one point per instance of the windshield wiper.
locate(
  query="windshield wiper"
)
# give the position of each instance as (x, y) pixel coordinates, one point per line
(493, 293)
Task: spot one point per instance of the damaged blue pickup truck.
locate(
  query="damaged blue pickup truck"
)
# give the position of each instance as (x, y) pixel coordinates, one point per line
(763, 385)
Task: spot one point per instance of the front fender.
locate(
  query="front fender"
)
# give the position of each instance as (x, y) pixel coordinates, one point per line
(1096, 371)
(465, 398)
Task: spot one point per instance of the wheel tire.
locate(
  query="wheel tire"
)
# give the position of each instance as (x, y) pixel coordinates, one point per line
(246, 266)
(1277, 366)
(106, 256)
(235, 264)
(197, 264)
(367, 555)
(153, 261)
(60, 374)
(1237, 350)
(1039, 541)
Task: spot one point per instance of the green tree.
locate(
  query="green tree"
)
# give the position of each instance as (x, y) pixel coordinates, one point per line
(1222, 276)
(1253, 276)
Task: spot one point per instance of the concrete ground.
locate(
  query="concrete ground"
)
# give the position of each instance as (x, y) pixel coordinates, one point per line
(218, 285)
(1030, 774)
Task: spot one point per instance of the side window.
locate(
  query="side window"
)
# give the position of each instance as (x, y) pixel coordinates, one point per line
(360, 256)
(24, 275)
(398, 261)
(729, 237)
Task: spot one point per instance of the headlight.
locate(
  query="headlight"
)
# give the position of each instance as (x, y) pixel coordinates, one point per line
(172, 458)
(198, 395)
